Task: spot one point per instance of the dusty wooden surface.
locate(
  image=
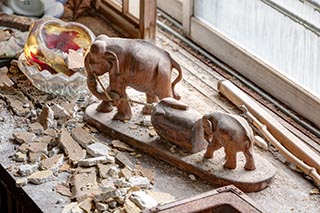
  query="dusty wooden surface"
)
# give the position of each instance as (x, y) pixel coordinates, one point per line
(289, 191)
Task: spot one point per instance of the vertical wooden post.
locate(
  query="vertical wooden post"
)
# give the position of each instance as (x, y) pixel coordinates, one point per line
(187, 13)
(147, 19)
(125, 6)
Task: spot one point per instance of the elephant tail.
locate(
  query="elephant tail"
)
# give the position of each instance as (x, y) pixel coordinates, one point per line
(179, 78)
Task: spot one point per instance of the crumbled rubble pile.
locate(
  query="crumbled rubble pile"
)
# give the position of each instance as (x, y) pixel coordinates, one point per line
(102, 178)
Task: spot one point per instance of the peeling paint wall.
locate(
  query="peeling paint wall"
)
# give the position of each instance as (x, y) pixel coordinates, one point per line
(277, 39)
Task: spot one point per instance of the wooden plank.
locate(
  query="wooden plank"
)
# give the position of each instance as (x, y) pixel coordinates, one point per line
(125, 6)
(187, 13)
(208, 169)
(257, 71)
(147, 21)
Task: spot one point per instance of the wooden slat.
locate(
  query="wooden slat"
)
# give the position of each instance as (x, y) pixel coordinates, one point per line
(186, 15)
(147, 20)
(125, 6)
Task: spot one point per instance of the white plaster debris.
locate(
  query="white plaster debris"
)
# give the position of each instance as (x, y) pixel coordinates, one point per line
(20, 157)
(97, 149)
(67, 208)
(60, 112)
(102, 206)
(94, 161)
(40, 177)
(143, 200)
(54, 151)
(82, 136)
(122, 183)
(23, 137)
(28, 169)
(46, 117)
(114, 171)
(36, 128)
(21, 182)
(110, 193)
(53, 163)
(141, 182)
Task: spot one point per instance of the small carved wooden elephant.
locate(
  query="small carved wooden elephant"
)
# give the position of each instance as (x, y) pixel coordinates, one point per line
(231, 132)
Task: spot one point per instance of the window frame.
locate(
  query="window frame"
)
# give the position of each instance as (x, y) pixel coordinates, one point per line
(256, 70)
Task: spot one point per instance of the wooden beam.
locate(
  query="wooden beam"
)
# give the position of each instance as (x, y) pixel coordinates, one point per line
(186, 15)
(147, 19)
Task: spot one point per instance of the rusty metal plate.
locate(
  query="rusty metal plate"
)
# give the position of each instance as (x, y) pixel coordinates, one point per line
(225, 199)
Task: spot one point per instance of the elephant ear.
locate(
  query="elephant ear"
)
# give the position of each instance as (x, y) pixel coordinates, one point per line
(207, 128)
(112, 59)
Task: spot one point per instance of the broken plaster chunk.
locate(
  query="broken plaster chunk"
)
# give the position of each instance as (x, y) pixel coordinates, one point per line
(28, 169)
(59, 112)
(113, 171)
(148, 173)
(121, 183)
(98, 149)
(35, 156)
(21, 182)
(139, 181)
(94, 161)
(131, 207)
(46, 117)
(51, 132)
(126, 173)
(86, 205)
(103, 170)
(83, 137)
(69, 207)
(53, 163)
(20, 157)
(71, 147)
(44, 139)
(38, 147)
(54, 151)
(83, 185)
(102, 206)
(106, 195)
(63, 189)
(161, 197)
(23, 137)
(4, 79)
(40, 177)
(36, 128)
(124, 161)
(143, 200)
(16, 100)
(24, 148)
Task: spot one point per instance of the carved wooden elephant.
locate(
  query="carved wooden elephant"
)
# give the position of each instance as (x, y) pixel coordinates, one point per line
(231, 132)
(130, 62)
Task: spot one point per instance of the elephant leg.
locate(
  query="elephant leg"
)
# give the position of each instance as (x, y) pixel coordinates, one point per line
(147, 109)
(231, 158)
(124, 110)
(212, 147)
(105, 106)
(250, 165)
